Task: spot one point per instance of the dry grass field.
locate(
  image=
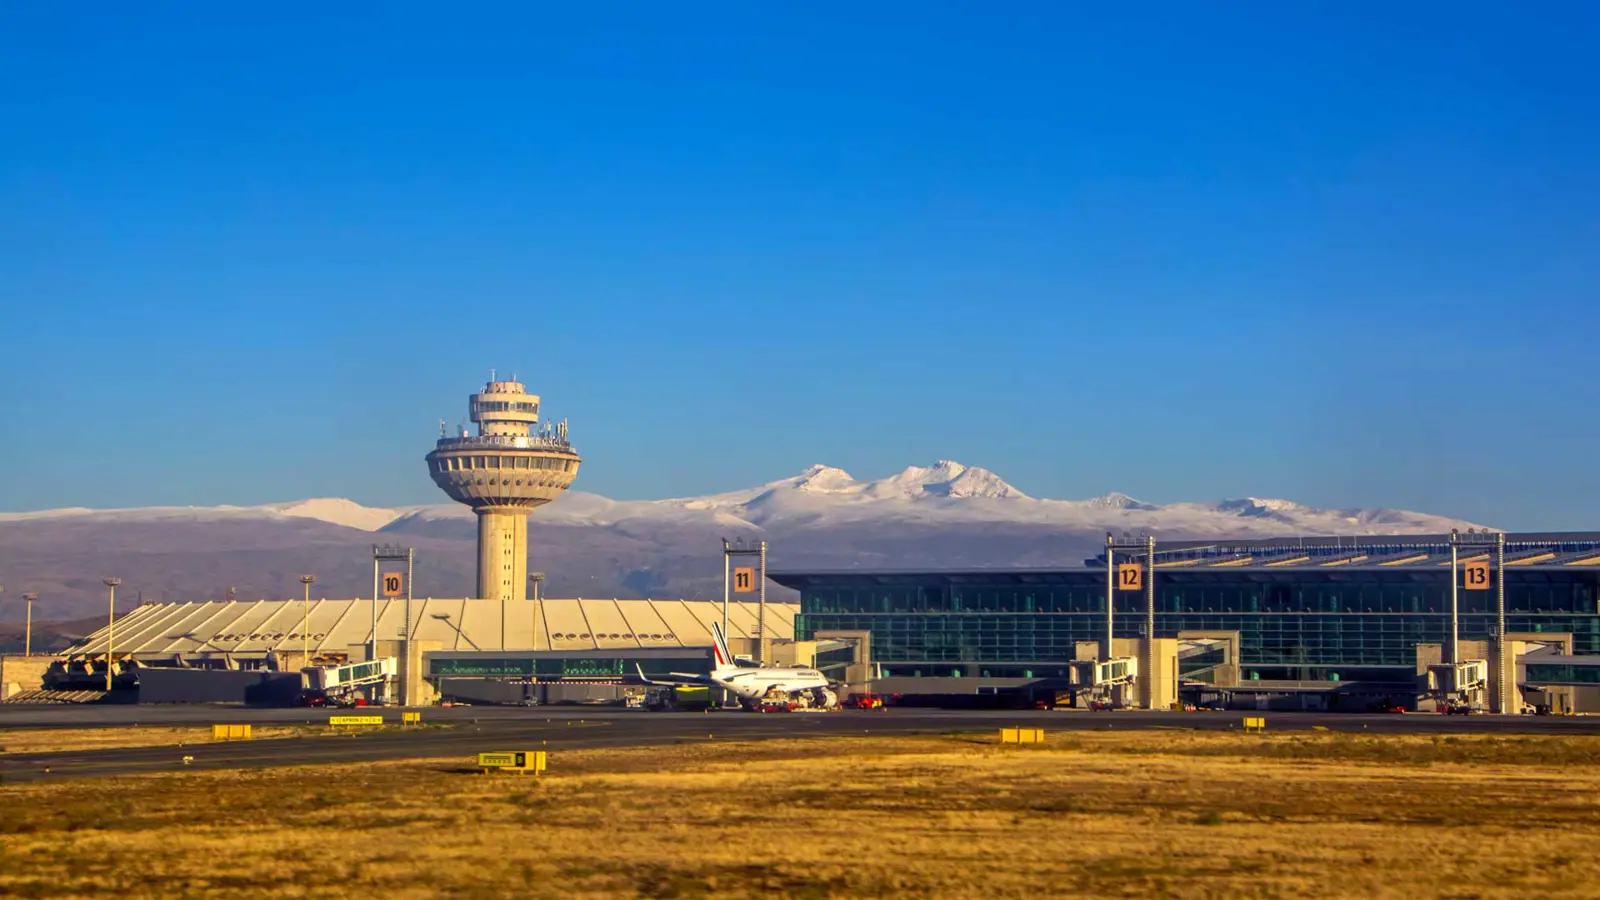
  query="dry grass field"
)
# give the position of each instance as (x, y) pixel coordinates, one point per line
(1140, 815)
(50, 740)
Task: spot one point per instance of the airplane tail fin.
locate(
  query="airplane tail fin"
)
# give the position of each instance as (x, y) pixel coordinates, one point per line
(720, 645)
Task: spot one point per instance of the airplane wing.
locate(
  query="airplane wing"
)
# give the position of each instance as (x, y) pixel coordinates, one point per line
(674, 678)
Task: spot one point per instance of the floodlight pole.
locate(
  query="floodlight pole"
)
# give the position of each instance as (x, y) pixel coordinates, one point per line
(1505, 673)
(1131, 546)
(533, 638)
(1150, 620)
(757, 549)
(1455, 600)
(372, 637)
(727, 556)
(1502, 696)
(111, 622)
(1111, 593)
(761, 609)
(305, 627)
(27, 634)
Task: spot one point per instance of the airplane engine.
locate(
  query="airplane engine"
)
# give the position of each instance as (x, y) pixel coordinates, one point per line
(823, 698)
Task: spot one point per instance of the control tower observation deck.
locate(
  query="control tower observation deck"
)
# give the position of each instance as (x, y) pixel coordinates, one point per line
(504, 472)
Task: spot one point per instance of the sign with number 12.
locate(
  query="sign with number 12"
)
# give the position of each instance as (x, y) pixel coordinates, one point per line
(1130, 577)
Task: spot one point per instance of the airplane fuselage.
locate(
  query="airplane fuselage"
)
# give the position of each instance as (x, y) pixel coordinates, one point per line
(753, 684)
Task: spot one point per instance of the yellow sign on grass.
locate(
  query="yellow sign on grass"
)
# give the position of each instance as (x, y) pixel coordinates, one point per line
(1022, 735)
(513, 760)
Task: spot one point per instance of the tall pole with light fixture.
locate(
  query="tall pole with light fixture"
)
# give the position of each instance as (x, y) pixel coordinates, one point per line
(726, 562)
(27, 633)
(305, 628)
(533, 637)
(111, 620)
(1454, 656)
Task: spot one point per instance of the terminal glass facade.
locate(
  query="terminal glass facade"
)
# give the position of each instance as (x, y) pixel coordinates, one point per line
(1026, 624)
(1562, 673)
(551, 667)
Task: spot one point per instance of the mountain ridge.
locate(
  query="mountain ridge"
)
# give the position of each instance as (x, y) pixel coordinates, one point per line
(942, 516)
(947, 486)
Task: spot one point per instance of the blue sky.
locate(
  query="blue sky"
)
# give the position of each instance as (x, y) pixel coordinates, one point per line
(1342, 253)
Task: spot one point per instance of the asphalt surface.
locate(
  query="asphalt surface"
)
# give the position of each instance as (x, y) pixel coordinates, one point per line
(475, 729)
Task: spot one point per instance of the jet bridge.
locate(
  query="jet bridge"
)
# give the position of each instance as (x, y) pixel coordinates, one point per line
(1111, 680)
(334, 680)
(1118, 671)
(1465, 682)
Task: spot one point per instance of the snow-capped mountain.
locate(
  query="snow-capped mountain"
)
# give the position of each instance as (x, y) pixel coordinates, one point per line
(946, 490)
(946, 515)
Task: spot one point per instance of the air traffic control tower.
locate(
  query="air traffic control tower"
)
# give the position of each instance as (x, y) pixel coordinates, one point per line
(504, 472)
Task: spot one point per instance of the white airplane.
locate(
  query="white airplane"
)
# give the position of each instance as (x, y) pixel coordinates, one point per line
(752, 684)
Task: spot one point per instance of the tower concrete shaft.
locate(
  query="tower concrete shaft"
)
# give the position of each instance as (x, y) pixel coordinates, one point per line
(504, 472)
(502, 553)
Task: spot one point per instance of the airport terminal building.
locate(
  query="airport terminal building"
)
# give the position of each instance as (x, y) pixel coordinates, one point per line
(508, 651)
(1306, 612)
(1312, 623)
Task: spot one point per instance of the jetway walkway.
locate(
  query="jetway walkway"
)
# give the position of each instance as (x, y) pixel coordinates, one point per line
(341, 679)
(1557, 670)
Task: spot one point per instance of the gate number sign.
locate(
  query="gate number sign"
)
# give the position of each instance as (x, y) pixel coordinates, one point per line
(1130, 577)
(393, 583)
(1476, 575)
(744, 580)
